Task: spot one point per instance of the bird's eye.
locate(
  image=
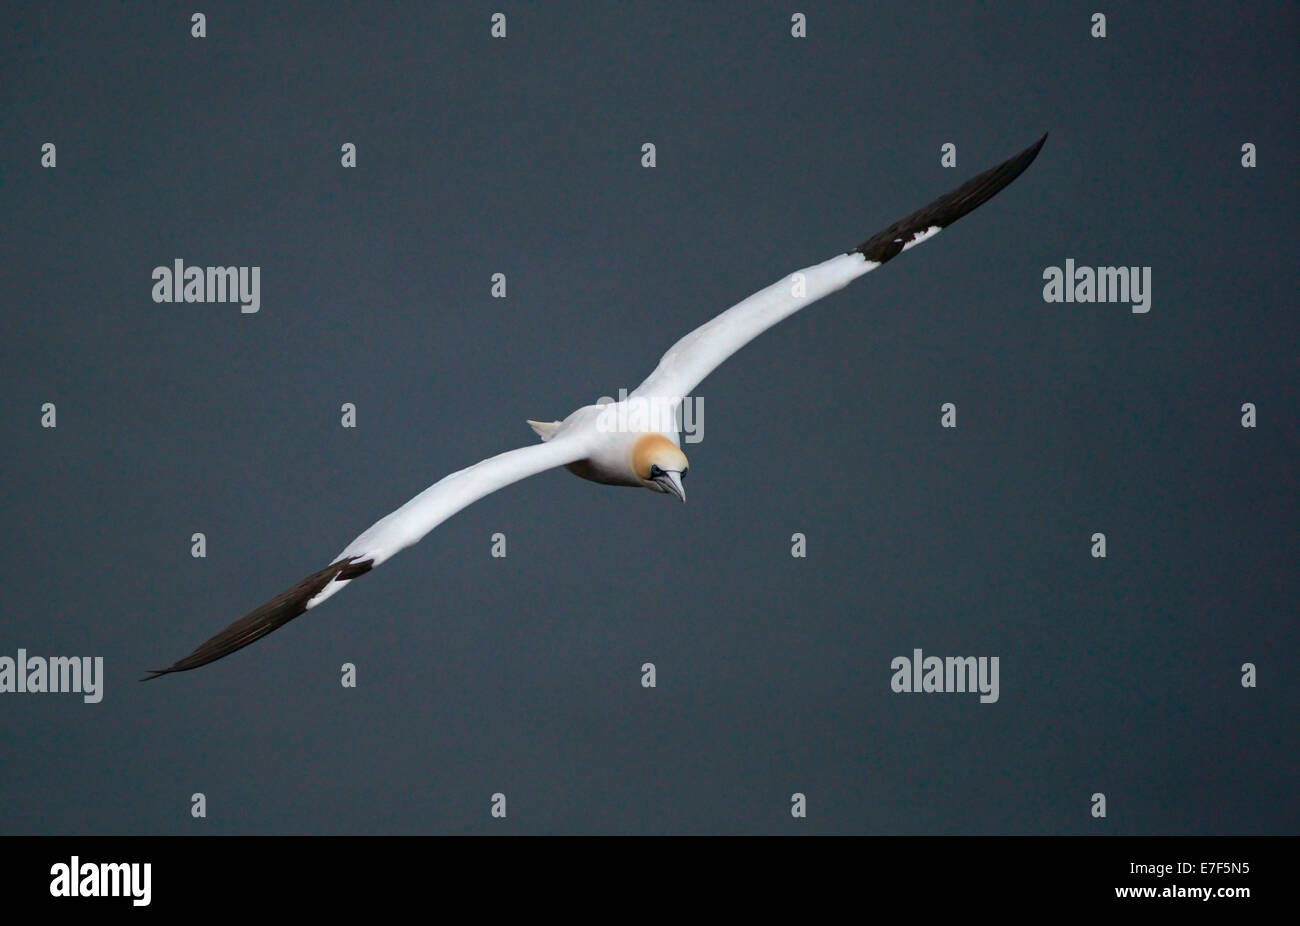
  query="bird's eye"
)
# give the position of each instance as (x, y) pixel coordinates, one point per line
(655, 471)
(685, 470)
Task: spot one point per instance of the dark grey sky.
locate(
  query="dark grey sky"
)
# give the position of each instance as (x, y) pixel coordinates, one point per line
(521, 675)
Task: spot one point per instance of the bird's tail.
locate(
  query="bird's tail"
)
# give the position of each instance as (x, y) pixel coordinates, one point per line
(545, 429)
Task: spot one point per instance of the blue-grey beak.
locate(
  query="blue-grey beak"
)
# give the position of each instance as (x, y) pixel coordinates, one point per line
(670, 480)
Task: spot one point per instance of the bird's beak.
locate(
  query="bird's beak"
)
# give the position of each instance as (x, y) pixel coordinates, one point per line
(671, 481)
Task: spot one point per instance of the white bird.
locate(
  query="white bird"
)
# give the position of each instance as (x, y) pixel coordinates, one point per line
(606, 443)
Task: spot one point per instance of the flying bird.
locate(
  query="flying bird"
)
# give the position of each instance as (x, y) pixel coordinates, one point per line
(604, 443)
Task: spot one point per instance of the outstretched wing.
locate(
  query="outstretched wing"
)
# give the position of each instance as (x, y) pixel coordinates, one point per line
(389, 535)
(702, 351)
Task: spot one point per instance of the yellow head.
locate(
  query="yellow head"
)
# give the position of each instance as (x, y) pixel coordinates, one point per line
(660, 465)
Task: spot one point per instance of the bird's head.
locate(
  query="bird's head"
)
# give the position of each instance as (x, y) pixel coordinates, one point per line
(660, 465)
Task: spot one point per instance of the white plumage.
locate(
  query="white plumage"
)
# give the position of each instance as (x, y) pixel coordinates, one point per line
(646, 455)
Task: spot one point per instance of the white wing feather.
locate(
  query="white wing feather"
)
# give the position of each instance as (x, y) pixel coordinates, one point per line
(702, 351)
(409, 524)
(387, 536)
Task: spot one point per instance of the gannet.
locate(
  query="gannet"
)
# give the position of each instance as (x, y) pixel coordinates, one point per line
(599, 442)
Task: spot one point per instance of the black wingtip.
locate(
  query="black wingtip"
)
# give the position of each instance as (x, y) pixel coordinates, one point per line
(950, 207)
(1032, 151)
(262, 620)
